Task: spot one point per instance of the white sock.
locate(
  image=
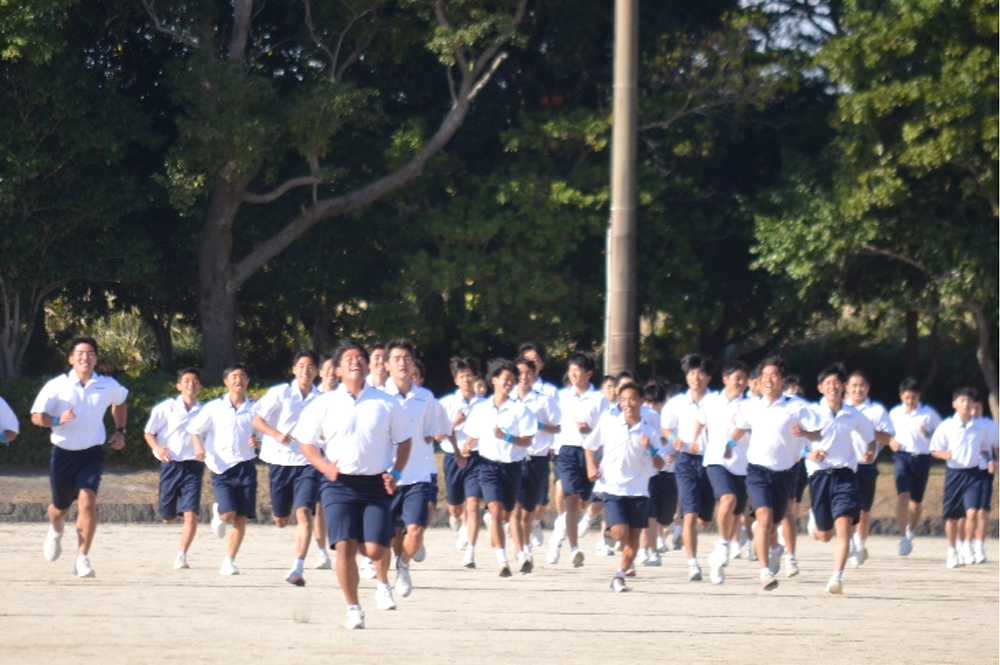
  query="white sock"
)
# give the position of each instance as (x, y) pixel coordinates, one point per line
(52, 530)
(321, 550)
(182, 554)
(471, 549)
(693, 562)
(620, 573)
(299, 563)
(501, 555)
(230, 560)
(837, 575)
(381, 585)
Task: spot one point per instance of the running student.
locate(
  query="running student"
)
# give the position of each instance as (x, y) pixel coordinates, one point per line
(629, 458)
(536, 353)
(772, 453)
(985, 482)
(461, 473)
(294, 482)
(581, 406)
(223, 436)
(503, 430)
(181, 472)
(831, 462)
(352, 435)
(73, 405)
(962, 441)
(914, 423)
(662, 486)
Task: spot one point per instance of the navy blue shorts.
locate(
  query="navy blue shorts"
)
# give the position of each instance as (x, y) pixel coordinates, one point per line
(867, 475)
(500, 481)
(985, 489)
(630, 510)
(724, 482)
(180, 487)
(534, 481)
(801, 480)
(571, 471)
(693, 489)
(911, 473)
(663, 497)
(461, 484)
(833, 494)
(236, 489)
(961, 492)
(293, 487)
(357, 508)
(432, 495)
(73, 470)
(409, 504)
(770, 489)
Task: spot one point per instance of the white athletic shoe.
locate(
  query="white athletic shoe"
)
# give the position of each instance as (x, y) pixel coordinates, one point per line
(420, 555)
(835, 586)
(583, 526)
(618, 584)
(743, 538)
(383, 598)
(469, 559)
(909, 533)
(323, 561)
(854, 554)
(603, 549)
(404, 585)
(677, 541)
(229, 568)
(694, 572)
(717, 574)
(642, 556)
(505, 569)
(735, 550)
(905, 546)
(537, 535)
(966, 555)
(978, 553)
(767, 581)
(52, 547)
(487, 519)
(751, 551)
(952, 560)
(218, 526)
(461, 540)
(295, 578)
(181, 561)
(454, 522)
(525, 564)
(82, 567)
(791, 566)
(774, 559)
(577, 558)
(366, 568)
(717, 561)
(661, 545)
(654, 560)
(355, 618)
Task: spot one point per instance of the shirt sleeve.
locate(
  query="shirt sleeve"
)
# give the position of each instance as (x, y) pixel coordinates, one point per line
(939, 441)
(595, 439)
(45, 398)
(401, 427)
(309, 428)
(119, 394)
(202, 422)
(8, 419)
(933, 419)
(669, 419)
(157, 420)
(269, 405)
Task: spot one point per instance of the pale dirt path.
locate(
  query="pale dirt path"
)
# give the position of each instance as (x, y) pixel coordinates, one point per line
(140, 610)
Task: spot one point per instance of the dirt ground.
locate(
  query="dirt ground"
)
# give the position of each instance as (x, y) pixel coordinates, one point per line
(140, 610)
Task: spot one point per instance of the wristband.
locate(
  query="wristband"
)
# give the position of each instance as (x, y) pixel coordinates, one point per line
(55, 421)
(805, 451)
(507, 436)
(3, 439)
(652, 451)
(670, 439)
(395, 474)
(730, 443)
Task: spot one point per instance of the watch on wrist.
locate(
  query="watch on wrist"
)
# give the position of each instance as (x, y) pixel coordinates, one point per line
(120, 429)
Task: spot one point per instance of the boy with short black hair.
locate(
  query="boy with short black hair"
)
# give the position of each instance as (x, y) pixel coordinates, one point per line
(181, 472)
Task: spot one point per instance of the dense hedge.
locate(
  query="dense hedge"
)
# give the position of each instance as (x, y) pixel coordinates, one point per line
(32, 447)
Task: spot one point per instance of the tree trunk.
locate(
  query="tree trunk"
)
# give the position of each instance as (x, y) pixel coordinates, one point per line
(984, 354)
(216, 290)
(161, 325)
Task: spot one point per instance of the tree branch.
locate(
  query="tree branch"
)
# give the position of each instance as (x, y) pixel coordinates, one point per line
(880, 251)
(279, 191)
(178, 36)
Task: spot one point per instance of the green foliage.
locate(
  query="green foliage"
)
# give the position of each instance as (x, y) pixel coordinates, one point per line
(31, 29)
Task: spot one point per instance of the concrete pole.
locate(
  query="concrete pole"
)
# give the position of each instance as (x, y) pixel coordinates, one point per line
(621, 321)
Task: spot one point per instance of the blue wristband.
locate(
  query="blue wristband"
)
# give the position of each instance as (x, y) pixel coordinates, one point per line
(730, 443)
(395, 474)
(670, 439)
(652, 451)
(805, 451)
(507, 436)
(55, 421)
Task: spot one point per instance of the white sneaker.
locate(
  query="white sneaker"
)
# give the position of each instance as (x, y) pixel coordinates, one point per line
(82, 567)
(404, 585)
(603, 549)
(909, 533)
(811, 526)
(717, 561)
(469, 559)
(420, 555)
(677, 541)
(537, 535)
(717, 574)
(661, 545)
(355, 618)
(366, 568)
(487, 519)
(294, 577)
(905, 546)
(323, 561)
(743, 538)
(461, 540)
(229, 568)
(618, 584)
(505, 569)
(751, 551)
(774, 559)
(735, 550)
(642, 556)
(583, 526)
(52, 547)
(218, 526)
(966, 555)
(952, 559)
(525, 564)
(791, 566)
(835, 586)
(577, 558)
(383, 598)
(767, 581)
(654, 560)
(694, 572)
(978, 553)
(454, 522)
(854, 554)
(181, 561)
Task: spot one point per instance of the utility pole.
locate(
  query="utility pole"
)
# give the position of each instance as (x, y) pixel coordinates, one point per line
(621, 320)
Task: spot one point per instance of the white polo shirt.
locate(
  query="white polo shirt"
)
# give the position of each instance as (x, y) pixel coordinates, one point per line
(772, 444)
(879, 418)
(358, 435)
(89, 402)
(966, 441)
(907, 425)
(546, 412)
(225, 432)
(168, 423)
(680, 415)
(718, 412)
(8, 419)
(576, 408)
(511, 416)
(452, 404)
(545, 388)
(419, 405)
(992, 438)
(838, 431)
(625, 465)
(280, 408)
